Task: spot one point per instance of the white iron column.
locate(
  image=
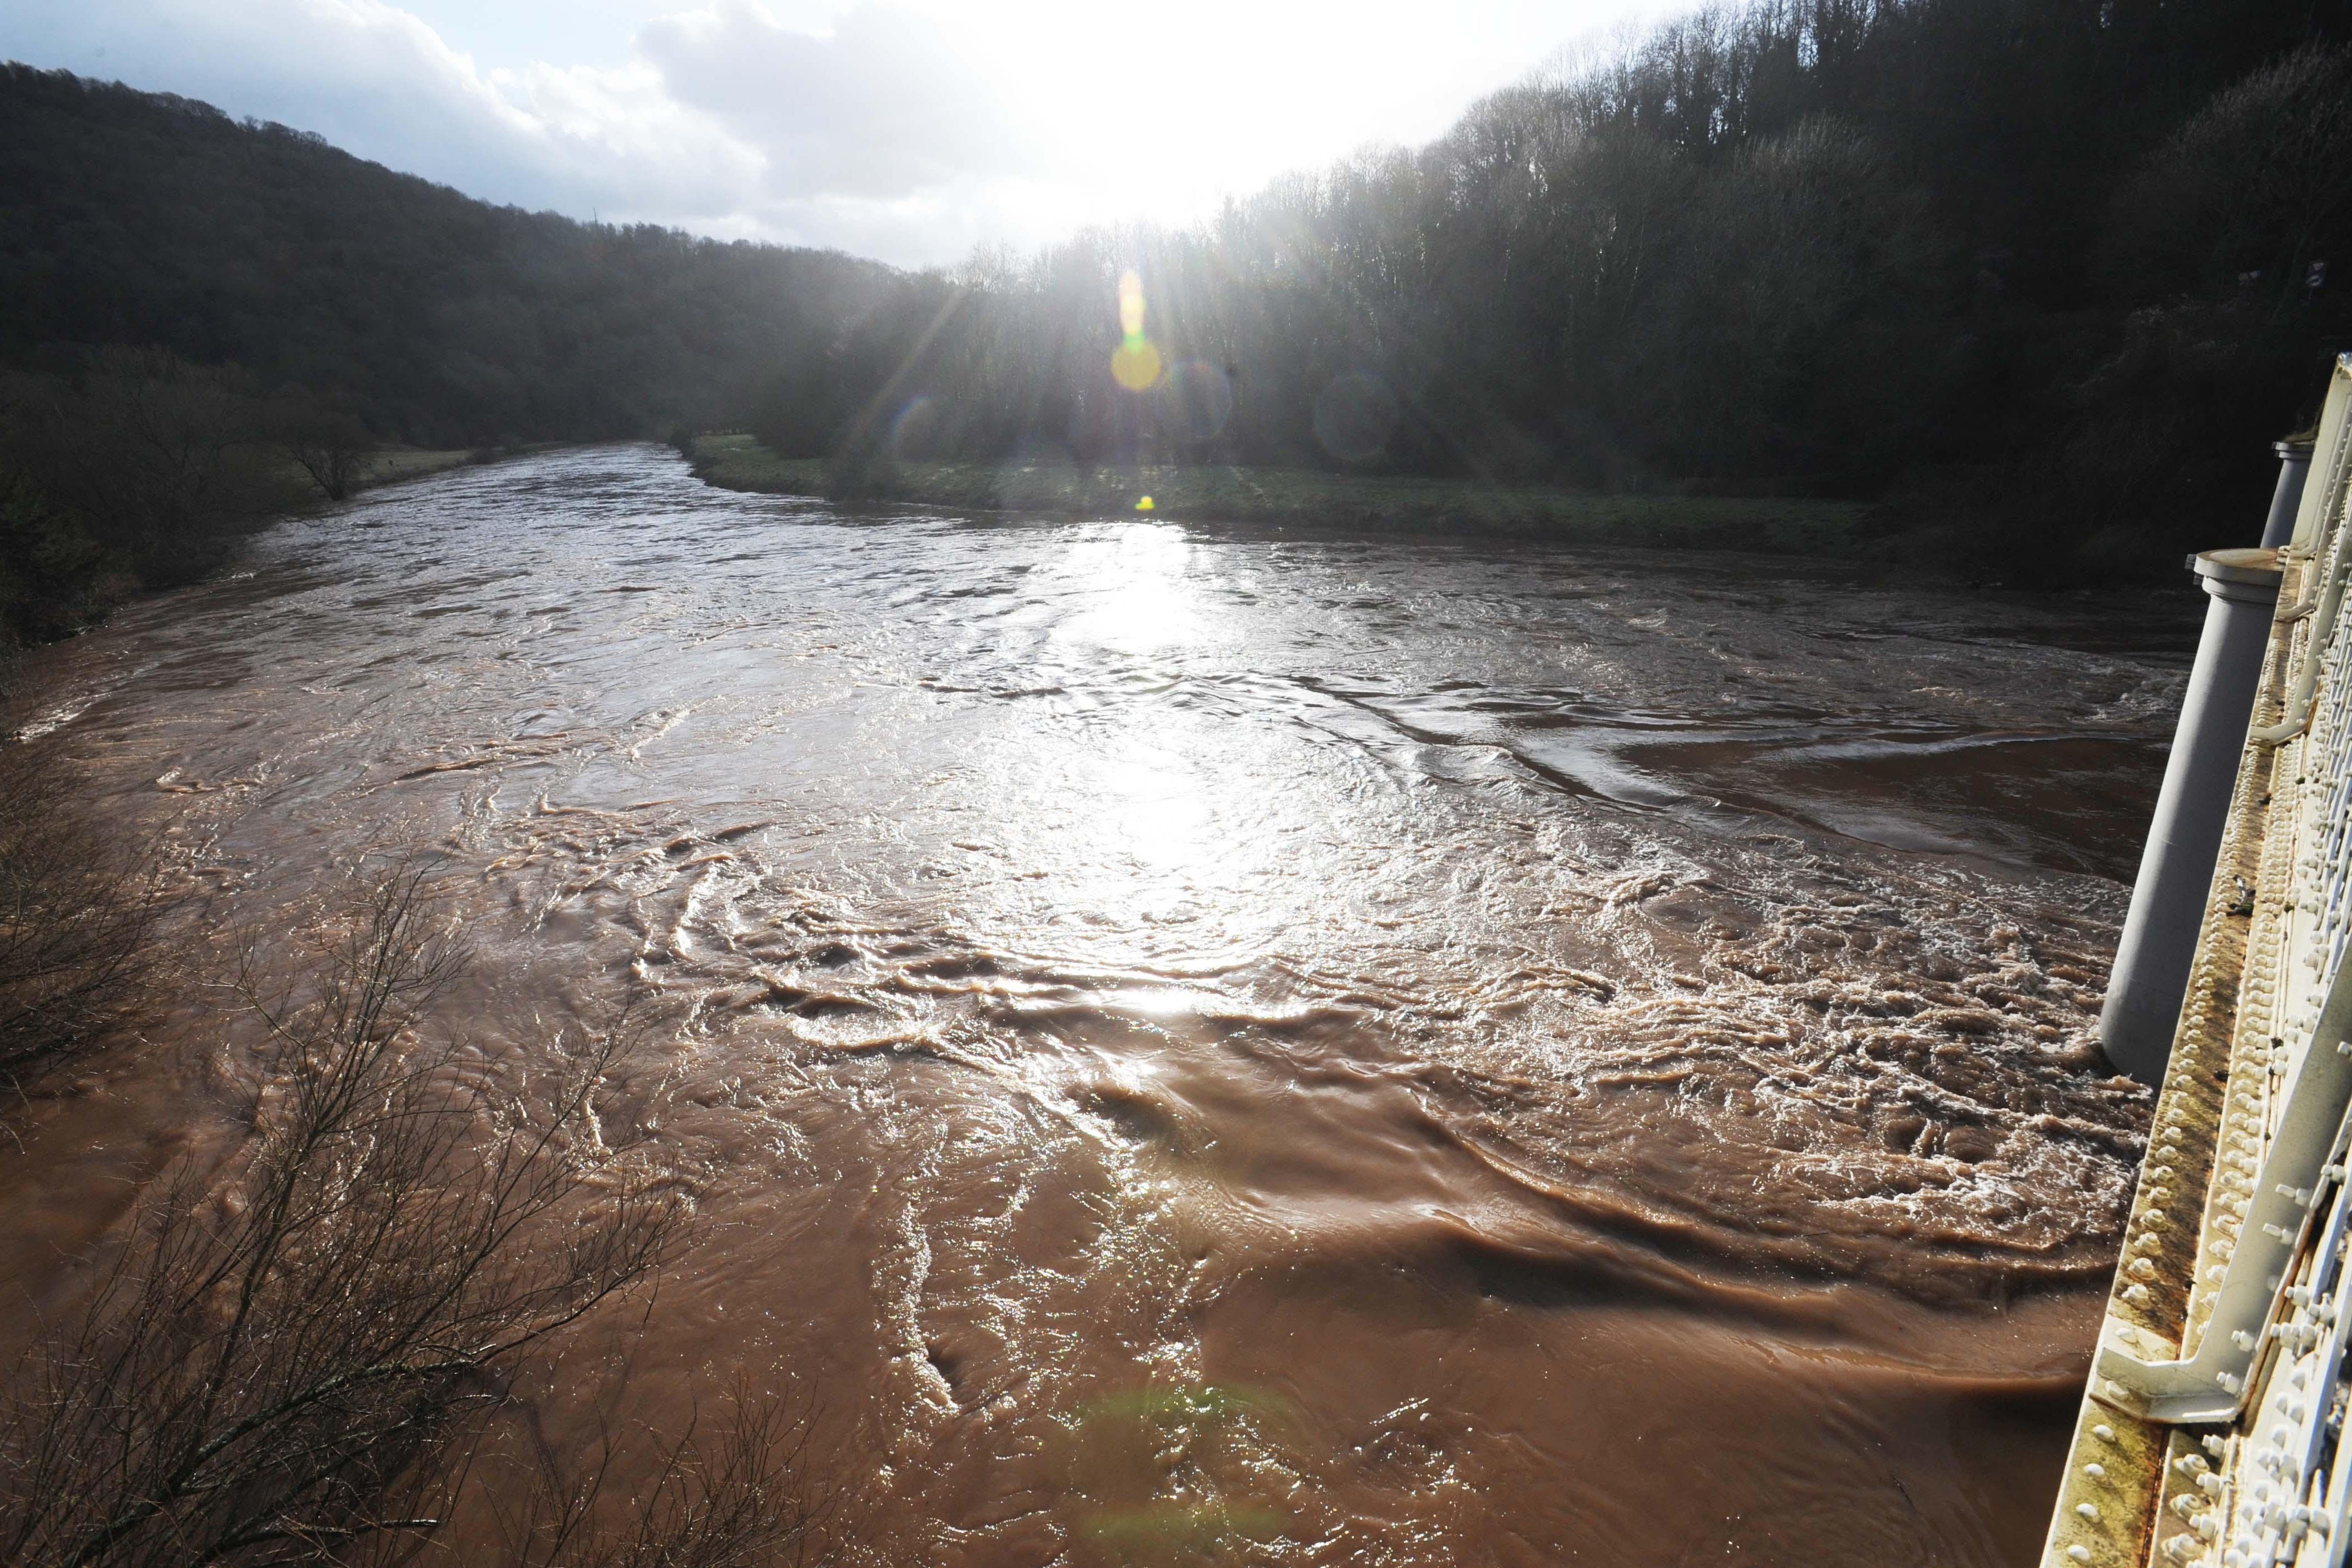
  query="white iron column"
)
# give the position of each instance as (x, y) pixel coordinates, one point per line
(2176, 871)
(2294, 466)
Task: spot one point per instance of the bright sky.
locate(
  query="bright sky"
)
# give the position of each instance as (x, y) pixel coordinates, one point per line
(910, 130)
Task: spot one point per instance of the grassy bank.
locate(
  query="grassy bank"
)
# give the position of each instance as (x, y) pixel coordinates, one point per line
(371, 470)
(1301, 497)
(393, 464)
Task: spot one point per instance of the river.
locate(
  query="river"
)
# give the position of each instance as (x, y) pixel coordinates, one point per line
(1283, 1048)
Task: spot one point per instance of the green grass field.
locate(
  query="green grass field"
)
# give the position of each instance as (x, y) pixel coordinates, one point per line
(1300, 498)
(388, 466)
(394, 464)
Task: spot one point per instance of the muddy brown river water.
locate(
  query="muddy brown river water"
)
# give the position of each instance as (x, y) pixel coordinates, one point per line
(1203, 1046)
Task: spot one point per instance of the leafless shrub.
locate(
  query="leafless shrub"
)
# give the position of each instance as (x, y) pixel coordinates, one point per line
(297, 1359)
(329, 444)
(79, 908)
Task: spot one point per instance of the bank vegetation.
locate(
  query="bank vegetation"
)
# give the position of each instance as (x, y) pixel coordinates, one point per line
(124, 470)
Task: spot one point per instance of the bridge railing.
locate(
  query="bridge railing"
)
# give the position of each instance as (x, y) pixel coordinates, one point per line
(2212, 1429)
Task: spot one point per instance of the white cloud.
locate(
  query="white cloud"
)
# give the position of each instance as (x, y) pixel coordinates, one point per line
(884, 106)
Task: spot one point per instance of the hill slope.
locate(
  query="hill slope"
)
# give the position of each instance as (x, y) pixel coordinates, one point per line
(142, 218)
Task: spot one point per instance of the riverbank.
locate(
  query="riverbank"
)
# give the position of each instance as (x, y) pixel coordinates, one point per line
(62, 574)
(1287, 497)
(395, 465)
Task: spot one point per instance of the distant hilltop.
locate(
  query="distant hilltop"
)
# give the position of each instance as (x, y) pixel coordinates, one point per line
(149, 220)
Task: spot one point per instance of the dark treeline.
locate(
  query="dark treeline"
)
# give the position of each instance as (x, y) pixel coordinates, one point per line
(148, 220)
(2046, 271)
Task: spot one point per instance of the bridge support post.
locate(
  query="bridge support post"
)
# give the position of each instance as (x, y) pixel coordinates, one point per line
(2176, 871)
(2294, 466)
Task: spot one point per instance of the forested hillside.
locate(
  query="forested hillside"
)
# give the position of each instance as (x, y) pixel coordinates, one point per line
(145, 220)
(2037, 273)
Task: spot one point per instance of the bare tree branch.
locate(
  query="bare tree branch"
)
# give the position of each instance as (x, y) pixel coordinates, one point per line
(297, 1363)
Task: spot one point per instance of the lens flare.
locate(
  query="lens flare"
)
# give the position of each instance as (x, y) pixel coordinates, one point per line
(1130, 305)
(915, 432)
(1135, 363)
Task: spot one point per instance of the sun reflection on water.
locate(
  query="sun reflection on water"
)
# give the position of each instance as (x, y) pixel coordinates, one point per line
(1139, 815)
(1138, 578)
(1152, 802)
